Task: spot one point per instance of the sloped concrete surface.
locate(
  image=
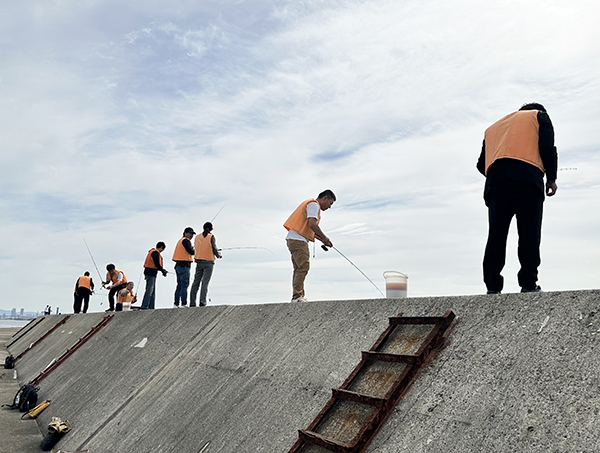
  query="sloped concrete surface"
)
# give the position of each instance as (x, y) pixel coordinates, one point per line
(16, 435)
(519, 374)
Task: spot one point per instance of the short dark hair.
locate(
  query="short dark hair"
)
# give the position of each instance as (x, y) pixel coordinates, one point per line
(327, 194)
(110, 267)
(189, 230)
(533, 106)
(161, 244)
(86, 273)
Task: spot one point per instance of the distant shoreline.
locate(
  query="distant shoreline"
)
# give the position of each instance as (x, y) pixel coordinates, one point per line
(12, 323)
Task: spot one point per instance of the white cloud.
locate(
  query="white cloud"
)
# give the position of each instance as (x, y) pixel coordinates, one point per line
(124, 123)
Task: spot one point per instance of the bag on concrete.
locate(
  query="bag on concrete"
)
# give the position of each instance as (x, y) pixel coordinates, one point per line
(56, 429)
(9, 362)
(26, 398)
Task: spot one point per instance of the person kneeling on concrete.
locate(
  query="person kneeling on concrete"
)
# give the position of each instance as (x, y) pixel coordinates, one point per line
(125, 298)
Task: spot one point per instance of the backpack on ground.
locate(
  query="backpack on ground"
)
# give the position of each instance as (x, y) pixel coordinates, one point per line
(25, 399)
(9, 362)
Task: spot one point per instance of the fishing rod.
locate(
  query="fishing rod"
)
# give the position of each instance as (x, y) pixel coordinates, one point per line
(324, 247)
(246, 248)
(213, 219)
(94, 261)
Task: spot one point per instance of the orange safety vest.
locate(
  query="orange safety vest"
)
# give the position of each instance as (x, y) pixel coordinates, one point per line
(516, 136)
(149, 263)
(126, 299)
(115, 275)
(298, 221)
(180, 253)
(84, 282)
(203, 248)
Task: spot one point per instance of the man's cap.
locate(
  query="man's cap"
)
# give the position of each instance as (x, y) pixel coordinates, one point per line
(189, 230)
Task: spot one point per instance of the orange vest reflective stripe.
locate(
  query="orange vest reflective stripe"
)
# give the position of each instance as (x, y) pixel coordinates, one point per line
(115, 276)
(84, 282)
(298, 221)
(149, 263)
(516, 136)
(203, 248)
(180, 253)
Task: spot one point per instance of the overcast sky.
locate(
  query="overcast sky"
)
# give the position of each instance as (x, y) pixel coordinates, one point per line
(122, 123)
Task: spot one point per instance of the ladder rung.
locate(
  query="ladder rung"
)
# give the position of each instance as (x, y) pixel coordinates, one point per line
(358, 397)
(384, 357)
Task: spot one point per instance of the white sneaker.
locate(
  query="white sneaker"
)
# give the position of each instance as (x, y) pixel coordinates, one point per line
(175, 306)
(300, 299)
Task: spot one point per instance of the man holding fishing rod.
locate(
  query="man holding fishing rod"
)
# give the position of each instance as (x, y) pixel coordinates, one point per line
(303, 227)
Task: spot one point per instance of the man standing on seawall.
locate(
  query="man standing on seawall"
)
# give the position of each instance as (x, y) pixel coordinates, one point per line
(517, 151)
(206, 251)
(152, 265)
(303, 226)
(183, 255)
(83, 288)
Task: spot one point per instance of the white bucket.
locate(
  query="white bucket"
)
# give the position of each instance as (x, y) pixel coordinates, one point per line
(396, 284)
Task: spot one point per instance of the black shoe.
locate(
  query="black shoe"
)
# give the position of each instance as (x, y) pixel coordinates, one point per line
(110, 309)
(537, 289)
(491, 291)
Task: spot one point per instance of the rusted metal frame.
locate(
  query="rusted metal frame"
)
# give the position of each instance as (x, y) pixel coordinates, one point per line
(436, 334)
(39, 340)
(398, 390)
(347, 395)
(383, 336)
(24, 333)
(415, 364)
(312, 438)
(71, 350)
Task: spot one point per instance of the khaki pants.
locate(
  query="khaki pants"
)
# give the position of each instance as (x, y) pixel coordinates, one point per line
(301, 262)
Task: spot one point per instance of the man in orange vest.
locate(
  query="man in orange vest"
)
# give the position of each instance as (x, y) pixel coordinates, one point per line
(206, 250)
(517, 151)
(83, 288)
(119, 282)
(152, 265)
(303, 227)
(183, 255)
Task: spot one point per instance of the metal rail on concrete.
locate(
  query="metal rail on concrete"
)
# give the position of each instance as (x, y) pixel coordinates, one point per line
(27, 326)
(39, 340)
(55, 363)
(359, 408)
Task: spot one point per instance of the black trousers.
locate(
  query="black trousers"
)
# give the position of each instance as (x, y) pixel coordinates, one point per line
(111, 295)
(525, 201)
(81, 295)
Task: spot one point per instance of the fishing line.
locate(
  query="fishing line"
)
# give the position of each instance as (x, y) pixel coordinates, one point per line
(324, 247)
(94, 261)
(213, 219)
(245, 248)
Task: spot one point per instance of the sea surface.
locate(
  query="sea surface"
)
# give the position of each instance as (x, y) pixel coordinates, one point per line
(7, 323)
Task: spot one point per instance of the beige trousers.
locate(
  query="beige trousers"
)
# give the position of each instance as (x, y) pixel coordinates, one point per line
(301, 261)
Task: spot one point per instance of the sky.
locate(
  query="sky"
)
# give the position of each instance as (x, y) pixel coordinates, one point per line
(122, 123)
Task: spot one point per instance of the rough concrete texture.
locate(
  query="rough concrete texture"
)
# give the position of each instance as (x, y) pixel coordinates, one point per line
(519, 374)
(16, 435)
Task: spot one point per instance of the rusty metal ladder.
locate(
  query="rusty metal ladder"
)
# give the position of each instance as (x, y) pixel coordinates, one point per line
(359, 408)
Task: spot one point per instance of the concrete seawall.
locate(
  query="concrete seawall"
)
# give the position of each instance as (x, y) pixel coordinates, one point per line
(519, 374)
